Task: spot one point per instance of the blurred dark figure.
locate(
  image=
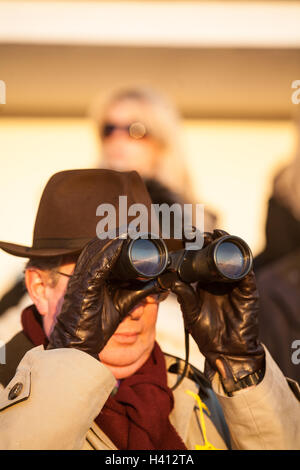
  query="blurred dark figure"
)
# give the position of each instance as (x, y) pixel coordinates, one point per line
(13, 296)
(139, 129)
(282, 231)
(278, 269)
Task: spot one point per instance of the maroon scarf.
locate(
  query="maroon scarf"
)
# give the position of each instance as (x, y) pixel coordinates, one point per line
(137, 416)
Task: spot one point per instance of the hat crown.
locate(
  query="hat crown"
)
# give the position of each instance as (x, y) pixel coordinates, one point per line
(66, 219)
(69, 202)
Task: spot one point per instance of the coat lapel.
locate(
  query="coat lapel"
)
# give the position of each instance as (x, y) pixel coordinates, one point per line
(184, 404)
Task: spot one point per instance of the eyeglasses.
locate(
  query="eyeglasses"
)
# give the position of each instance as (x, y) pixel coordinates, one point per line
(136, 130)
(63, 274)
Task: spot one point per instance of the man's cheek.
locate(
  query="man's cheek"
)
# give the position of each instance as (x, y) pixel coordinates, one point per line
(55, 308)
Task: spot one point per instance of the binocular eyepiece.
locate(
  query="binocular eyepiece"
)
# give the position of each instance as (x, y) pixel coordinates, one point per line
(227, 259)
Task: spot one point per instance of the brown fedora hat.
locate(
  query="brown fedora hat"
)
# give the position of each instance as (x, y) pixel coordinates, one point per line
(66, 219)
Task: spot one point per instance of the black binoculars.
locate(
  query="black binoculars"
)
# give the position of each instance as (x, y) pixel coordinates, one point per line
(226, 259)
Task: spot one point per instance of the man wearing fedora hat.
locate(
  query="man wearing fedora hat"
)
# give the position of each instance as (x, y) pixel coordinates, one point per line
(86, 371)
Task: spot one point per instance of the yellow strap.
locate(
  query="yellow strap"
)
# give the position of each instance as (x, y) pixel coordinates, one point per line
(207, 445)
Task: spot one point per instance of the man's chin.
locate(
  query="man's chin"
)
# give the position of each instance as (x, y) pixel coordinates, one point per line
(125, 359)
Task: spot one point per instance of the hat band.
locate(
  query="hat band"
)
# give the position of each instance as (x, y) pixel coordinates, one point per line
(60, 243)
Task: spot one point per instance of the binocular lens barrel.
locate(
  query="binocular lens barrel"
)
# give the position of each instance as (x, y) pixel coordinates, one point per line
(226, 259)
(141, 258)
(148, 257)
(230, 260)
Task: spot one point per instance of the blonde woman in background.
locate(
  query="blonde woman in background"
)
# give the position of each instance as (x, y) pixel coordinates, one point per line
(140, 130)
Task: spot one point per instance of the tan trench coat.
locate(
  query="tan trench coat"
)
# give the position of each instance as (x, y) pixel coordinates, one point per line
(63, 390)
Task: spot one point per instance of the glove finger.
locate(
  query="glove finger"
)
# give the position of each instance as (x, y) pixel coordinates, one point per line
(209, 371)
(109, 318)
(108, 257)
(99, 258)
(88, 254)
(189, 302)
(126, 299)
(217, 233)
(207, 238)
(119, 302)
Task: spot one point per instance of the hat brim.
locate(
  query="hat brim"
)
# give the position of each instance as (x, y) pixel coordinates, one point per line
(30, 252)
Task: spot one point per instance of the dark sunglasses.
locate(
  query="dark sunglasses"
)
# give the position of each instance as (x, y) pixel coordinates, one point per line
(136, 130)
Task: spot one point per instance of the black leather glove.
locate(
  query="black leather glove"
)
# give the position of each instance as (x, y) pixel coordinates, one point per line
(223, 320)
(93, 307)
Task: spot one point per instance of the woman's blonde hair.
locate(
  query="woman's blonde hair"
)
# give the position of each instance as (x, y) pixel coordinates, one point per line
(163, 122)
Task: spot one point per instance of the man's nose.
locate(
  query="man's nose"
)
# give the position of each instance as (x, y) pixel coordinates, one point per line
(137, 312)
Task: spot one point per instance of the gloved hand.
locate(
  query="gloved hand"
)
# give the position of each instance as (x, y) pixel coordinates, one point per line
(223, 320)
(92, 307)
